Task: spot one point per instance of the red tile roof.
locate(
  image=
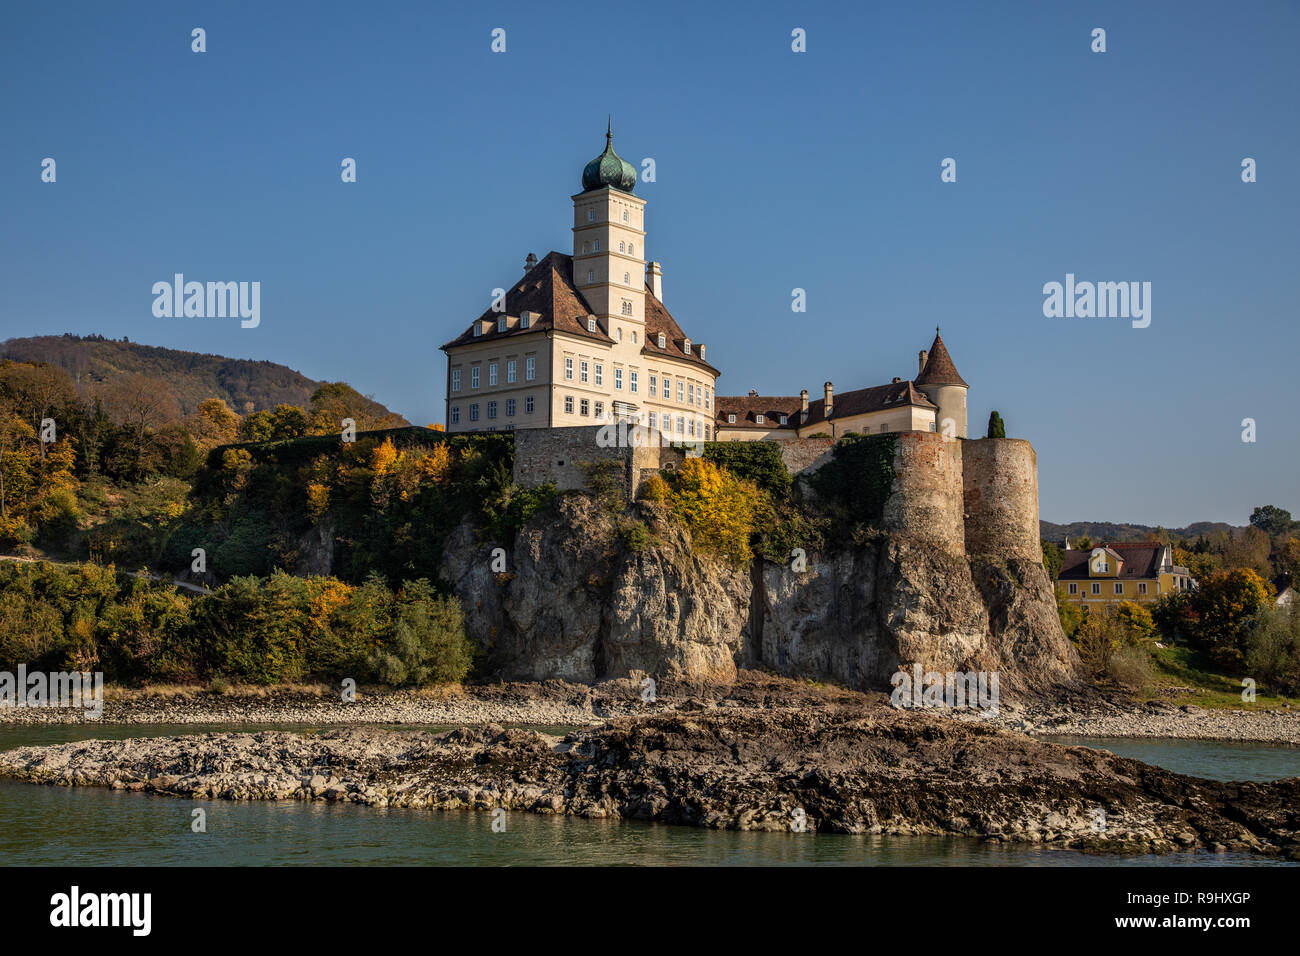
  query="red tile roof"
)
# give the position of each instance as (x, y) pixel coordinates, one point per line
(939, 369)
(547, 289)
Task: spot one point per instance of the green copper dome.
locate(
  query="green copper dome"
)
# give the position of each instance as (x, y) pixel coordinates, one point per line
(609, 169)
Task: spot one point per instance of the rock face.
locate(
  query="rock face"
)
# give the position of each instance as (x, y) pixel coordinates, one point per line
(577, 603)
(831, 768)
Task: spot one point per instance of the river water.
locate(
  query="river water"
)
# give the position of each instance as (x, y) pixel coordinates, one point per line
(87, 826)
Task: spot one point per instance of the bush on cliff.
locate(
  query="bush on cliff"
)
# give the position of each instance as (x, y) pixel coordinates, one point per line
(756, 461)
(854, 485)
(717, 507)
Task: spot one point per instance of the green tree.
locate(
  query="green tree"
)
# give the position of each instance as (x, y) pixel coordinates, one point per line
(1271, 520)
(996, 428)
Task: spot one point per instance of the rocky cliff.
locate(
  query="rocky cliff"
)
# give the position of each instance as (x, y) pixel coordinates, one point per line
(576, 602)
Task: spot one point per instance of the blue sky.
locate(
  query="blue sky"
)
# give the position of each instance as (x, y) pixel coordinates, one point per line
(775, 170)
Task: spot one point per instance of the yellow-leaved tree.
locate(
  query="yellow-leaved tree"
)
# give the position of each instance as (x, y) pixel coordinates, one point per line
(717, 507)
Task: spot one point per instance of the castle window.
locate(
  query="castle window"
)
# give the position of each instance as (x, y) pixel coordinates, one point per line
(455, 380)
(591, 275)
(653, 419)
(620, 249)
(528, 404)
(510, 372)
(582, 373)
(568, 404)
(501, 324)
(627, 278)
(690, 427)
(708, 398)
(618, 378)
(681, 425)
(627, 305)
(708, 432)
(584, 407)
(933, 427)
(591, 215)
(510, 408)
(530, 368)
(473, 412)
(1074, 588)
(681, 390)
(634, 338)
(760, 418)
(568, 367)
(686, 346)
(600, 411)
(631, 384)
(731, 419)
(455, 414)
(654, 385)
(661, 340)
(586, 247)
(595, 245)
(473, 377)
(492, 373)
(625, 215)
(690, 394)
(619, 336)
(1119, 587)
(600, 374)
(631, 249)
(591, 324)
(492, 409)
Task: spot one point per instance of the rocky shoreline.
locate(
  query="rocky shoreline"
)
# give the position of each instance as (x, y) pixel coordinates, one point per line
(857, 767)
(560, 704)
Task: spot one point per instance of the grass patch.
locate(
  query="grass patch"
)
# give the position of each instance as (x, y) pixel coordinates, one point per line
(1179, 668)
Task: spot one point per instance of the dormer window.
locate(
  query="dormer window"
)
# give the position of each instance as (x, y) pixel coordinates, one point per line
(760, 418)
(501, 324)
(731, 419)
(591, 323)
(523, 321)
(686, 346)
(478, 329)
(661, 340)
(784, 419)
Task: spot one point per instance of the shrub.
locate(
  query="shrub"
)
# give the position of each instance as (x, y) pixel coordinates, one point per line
(654, 488)
(1272, 649)
(756, 461)
(1130, 667)
(717, 507)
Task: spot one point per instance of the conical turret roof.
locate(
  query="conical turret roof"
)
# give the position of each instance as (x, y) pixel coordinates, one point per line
(939, 369)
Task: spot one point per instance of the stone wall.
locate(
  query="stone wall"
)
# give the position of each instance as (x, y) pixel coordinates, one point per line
(556, 454)
(1000, 490)
(926, 501)
(806, 454)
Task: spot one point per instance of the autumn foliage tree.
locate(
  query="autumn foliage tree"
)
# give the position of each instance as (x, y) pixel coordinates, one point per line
(718, 508)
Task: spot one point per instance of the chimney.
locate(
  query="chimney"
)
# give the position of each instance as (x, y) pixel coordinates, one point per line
(700, 346)
(803, 405)
(1067, 543)
(530, 262)
(828, 403)
(655, 275)
(895, 380)
(920, 361)
(753, 393)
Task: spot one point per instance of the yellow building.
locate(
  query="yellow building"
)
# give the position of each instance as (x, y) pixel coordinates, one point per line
(1102, 578)
(584, 339)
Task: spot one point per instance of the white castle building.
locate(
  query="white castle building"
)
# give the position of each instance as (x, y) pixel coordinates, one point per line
(585, 339)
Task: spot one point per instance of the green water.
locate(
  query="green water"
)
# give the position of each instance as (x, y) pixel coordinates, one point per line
(92, 826)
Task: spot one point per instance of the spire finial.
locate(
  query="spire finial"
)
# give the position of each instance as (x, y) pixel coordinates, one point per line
(609, 129)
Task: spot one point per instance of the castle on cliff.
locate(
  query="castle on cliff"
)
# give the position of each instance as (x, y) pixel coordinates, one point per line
(585, 338)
